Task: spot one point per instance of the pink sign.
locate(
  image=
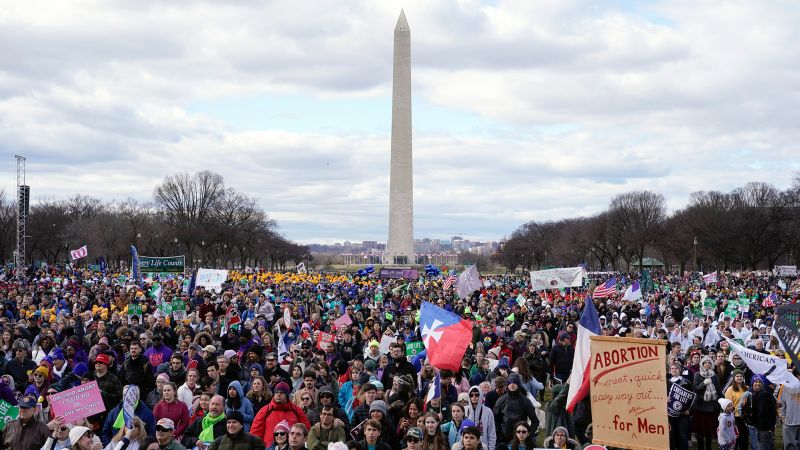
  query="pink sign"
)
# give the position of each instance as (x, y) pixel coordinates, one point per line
(77, 403)
(343, 322)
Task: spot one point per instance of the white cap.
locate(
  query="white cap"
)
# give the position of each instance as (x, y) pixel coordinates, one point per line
(76, 433)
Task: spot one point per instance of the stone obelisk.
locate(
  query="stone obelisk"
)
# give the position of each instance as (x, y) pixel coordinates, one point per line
(400, 248)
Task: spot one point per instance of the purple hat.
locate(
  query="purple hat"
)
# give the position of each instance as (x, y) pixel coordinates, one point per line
(282, 387)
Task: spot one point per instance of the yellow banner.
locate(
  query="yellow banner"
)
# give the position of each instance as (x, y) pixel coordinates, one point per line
(628, 385)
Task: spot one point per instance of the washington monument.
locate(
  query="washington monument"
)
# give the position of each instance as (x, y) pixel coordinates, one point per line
(400, 247)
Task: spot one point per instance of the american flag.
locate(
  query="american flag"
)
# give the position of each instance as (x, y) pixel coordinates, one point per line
(449, 281)
(606, 289)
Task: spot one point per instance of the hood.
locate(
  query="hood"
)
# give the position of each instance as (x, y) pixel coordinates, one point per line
(473, 413)
(238, 386)
(561, 429)
(327, 390)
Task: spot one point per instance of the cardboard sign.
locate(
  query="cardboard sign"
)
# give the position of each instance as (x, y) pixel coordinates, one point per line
(629, 392)
(77, 403)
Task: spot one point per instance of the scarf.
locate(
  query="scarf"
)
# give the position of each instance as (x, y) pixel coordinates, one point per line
(710, 393)
(207, 435)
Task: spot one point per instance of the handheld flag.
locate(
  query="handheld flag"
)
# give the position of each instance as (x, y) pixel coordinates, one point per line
(468, 282)
(445, 335)
(79, 253)
(633, 292)
(606, 289)
(435, 388)
(449, 281)
(588, 326)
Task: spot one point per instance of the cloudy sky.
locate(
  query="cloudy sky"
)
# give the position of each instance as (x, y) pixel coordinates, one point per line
(523, 110)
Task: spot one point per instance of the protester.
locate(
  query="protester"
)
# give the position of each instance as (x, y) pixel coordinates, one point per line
(560, 439)
(26, 432)
(236, 438)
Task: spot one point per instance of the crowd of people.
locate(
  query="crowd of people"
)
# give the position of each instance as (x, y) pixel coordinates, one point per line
(324, 361)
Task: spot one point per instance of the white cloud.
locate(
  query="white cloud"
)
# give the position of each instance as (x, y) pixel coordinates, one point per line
(581, 101)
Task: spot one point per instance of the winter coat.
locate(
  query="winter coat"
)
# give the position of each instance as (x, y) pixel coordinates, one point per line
(141, 411)
(245, 407)
(272, 414)
(240, 441)
(513, 407)
(700, 389)
(483, 417)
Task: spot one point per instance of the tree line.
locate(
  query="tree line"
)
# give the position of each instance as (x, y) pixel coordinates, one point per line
(191, 214)
(755, 226)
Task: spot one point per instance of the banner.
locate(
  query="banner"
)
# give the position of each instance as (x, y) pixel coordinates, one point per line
(130, 398)
(774, 368)
(169, 264)
(557, 278)
(211, 278)
(628, 392)
(8, 412)
(680, 400)
(77, 403)
(785, 271)
(709, 306)
(343, 322)
(325, 338)
(408, 274)
(79, 253)
(786, 329)
(135, 265)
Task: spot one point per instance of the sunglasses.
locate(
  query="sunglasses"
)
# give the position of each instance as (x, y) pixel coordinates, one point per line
(63, 429)
(306, 399)
(474, 394)
(163, 430)
(522, 431)
(279, 433)
(412, 440)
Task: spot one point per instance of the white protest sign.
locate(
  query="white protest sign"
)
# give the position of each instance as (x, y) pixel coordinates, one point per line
(211, 278)
(557, 278)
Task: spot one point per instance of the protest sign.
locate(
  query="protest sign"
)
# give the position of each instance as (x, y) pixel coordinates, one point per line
(709, 306)
(412, 348)
(77, 403)
(732, 308)
(168, 264)
(343, 322)
(178, 309)
(134, 309)
(407, 274)
(8, 412)
(628, 392)
(680, 400)
(386, 341)
(744, 304)
(211, 278)
(325, 338)
(557, 278)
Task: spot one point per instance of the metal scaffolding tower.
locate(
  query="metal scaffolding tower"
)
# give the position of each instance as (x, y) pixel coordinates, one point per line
(23, 207)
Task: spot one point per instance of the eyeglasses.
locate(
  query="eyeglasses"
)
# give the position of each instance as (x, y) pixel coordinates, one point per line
(522, 431)
(306, 399)
(474, 394)
(63, 429)
(38, 375)
(412, 440)
(279, 433)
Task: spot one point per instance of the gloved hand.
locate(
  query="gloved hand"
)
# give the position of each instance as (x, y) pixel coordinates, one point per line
(707, 381)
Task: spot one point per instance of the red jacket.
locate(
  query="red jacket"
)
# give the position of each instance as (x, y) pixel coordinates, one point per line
(271, 415)
(177, 411)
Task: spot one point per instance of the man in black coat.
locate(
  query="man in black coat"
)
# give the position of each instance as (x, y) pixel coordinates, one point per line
(561, 357)
(136, 369)
(398, 365)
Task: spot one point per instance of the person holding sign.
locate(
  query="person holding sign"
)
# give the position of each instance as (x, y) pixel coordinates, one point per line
(679, 417)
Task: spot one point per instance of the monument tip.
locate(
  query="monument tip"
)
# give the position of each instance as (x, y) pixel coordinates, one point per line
(402, 23)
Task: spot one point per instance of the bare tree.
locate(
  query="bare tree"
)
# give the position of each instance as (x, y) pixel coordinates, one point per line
(636, 215)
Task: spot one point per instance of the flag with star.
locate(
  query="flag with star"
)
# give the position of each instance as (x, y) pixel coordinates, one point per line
(445, 335)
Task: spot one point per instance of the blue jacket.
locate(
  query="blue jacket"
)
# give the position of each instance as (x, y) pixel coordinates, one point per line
(141, 411)
(246, 406)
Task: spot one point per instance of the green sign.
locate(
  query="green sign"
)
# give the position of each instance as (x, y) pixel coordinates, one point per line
(412, 348)
(94, 267)
(178, 309)
(732, 309)
(709, 306)
(170, 264)
(744, 304)
(166, 308)
(134, 309)
(8, 412)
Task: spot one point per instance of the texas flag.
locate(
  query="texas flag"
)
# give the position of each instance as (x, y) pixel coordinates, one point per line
(588, 326)
(446, 336)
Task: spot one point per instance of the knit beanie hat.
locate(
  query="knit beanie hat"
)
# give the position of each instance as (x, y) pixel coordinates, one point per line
(282, 387)
(283, 425)
(378, 405)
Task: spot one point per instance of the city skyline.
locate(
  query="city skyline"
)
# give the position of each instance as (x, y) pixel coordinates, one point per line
(522, 111)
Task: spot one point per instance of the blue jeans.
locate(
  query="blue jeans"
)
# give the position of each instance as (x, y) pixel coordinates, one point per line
(766, 440)
(753, 432)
